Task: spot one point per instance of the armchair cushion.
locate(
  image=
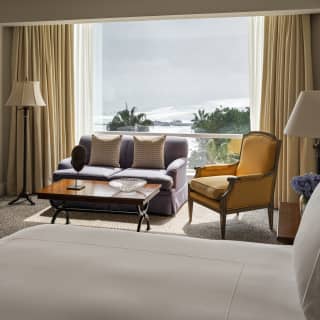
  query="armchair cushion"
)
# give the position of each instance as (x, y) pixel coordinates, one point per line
(258, 155)
(210, 187)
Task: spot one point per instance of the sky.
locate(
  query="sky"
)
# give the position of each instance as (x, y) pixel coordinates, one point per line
(170, 68)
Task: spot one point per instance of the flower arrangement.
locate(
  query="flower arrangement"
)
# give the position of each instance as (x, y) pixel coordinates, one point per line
(305, 185)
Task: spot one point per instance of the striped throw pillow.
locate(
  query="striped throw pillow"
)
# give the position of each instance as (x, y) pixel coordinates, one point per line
(148, 152)
(105, 151)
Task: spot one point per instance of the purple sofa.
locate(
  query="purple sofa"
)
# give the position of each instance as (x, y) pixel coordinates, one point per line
(173, 178)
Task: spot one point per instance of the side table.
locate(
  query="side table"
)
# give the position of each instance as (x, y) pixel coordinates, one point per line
(289, 220)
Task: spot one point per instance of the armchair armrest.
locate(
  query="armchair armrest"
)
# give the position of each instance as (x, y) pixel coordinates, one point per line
(249, 177)
(177, 169)
(65, 164)
(250, 191)
(216, 170)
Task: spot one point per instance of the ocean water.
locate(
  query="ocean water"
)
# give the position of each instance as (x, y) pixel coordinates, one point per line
(172, 113)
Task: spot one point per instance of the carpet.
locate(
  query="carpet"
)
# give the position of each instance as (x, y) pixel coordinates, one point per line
(249, 226)
(12, 218)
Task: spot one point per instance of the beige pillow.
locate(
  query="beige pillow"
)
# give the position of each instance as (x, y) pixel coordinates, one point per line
(105, 151)
(148, 152)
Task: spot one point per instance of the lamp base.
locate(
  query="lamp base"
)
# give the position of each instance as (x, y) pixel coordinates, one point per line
(75, 187)
(22, 195)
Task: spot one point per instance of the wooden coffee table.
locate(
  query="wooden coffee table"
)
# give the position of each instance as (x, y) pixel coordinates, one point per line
(98, 192)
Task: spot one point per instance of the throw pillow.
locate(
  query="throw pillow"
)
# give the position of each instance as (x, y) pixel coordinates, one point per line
(148, 152)
(105, 151)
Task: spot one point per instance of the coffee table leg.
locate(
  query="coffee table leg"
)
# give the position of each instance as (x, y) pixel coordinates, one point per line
(55, 215)
(67, 217)
(139, 223)
(58, 210)
(142, 211)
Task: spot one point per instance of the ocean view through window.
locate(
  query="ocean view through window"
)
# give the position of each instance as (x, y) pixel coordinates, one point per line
(174, 76)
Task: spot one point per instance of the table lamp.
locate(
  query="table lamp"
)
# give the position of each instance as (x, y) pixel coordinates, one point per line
(304, 119)
(25, 95)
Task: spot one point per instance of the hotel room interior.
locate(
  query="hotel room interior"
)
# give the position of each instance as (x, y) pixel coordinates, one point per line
(160, 160)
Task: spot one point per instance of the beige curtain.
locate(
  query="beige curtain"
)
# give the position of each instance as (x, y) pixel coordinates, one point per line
(287, 69)
(43, 53)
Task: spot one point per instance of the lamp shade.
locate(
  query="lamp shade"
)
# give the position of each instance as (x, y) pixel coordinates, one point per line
(304, 120)
(26, 94)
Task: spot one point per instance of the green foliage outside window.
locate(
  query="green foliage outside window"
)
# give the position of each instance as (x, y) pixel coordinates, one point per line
(129, 120)
(222, 120)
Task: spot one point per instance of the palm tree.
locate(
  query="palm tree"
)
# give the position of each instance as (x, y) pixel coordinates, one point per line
(200, 119)
(128, 119)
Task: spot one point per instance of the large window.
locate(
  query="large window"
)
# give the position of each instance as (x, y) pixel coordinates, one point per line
(174, 76)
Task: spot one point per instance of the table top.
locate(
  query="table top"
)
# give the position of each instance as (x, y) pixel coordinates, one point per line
(97, 191)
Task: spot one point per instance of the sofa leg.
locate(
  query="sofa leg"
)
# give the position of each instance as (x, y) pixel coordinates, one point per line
(223, 219)
(270, 217)
(190, 208)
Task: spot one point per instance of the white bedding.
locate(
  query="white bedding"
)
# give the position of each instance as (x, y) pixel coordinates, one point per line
(68, 272)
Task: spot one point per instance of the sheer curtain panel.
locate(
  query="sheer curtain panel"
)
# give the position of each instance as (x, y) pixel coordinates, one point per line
(256, 36)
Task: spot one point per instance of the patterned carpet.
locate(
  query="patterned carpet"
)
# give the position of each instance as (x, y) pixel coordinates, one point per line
(249, 226)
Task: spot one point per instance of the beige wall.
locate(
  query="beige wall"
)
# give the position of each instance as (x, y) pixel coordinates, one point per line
(315, 20)
(50, 10)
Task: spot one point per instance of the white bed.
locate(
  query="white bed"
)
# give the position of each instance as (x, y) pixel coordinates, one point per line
(66, 272)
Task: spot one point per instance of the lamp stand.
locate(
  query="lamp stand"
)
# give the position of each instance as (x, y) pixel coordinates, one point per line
(24, 194)
(316, 147)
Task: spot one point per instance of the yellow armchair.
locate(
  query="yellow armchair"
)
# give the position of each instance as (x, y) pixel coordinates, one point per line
(242, 186)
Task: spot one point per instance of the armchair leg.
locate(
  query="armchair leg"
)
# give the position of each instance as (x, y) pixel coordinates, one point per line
(190, 208)
(270, 217)
(223, 218)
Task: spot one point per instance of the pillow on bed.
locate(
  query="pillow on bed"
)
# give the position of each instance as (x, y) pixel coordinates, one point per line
(306, 253)
(105, 151)
(148, 152)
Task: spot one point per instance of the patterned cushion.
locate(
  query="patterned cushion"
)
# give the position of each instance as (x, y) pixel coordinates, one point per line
(211, 187)
(148, 152)
(105, 151)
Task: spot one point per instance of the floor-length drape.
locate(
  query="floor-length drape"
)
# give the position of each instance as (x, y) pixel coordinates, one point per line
(45, 54)
(287, 69)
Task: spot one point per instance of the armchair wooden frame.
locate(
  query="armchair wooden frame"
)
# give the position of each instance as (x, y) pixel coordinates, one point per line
(222, 208)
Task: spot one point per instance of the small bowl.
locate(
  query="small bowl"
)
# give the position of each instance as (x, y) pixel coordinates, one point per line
(127, 184)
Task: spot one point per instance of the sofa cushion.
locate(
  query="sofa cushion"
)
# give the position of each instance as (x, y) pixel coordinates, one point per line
(306, 254)
(88, 172)
(151, 176)
(148, 152)
(211, 187)
(105, 151)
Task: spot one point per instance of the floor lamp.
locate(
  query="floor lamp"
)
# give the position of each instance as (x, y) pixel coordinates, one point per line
(304, 119)
(25, 95)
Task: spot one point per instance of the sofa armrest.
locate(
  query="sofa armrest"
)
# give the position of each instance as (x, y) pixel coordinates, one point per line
(177, 169)
(216, 170)
(65, 164)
